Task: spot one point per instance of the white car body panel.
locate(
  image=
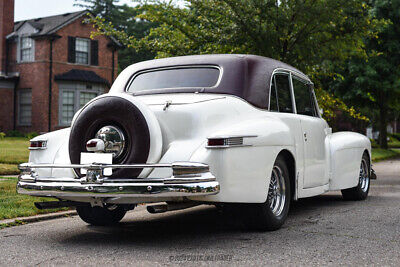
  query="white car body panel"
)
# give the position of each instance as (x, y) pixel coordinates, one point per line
(324, 162)
(181, 122)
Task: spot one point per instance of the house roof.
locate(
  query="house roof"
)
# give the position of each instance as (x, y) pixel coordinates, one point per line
(50, 25)
(81, 76)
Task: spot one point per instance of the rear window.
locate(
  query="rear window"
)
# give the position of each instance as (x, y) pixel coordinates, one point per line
(175, 78)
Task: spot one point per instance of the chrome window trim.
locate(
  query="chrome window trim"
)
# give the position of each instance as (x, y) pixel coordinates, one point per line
(130, 80)
(290, 73)
(308, 82)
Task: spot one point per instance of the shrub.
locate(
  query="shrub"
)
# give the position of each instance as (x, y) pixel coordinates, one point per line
(15, 133)
(31, 135)
(2, 135)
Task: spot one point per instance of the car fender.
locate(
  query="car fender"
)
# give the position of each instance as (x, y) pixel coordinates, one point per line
(244, 171)
(346, 150)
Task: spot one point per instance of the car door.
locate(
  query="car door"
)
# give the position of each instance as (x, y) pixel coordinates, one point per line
(314, 133)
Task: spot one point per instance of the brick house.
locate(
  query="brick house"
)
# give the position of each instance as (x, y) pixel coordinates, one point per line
(50, 68)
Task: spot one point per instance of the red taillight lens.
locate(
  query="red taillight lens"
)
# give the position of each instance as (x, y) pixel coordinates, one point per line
(38, 145)
(91, 143)
(216, 142)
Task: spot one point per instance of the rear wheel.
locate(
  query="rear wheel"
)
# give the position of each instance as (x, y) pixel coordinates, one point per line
(360, 192)
(101, 215)
(271, 214)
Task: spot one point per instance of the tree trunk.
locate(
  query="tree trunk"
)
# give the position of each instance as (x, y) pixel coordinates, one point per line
(383, 127)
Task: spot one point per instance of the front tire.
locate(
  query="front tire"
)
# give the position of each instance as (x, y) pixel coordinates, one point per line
(271, 214)
(360, 192)
(101, 216)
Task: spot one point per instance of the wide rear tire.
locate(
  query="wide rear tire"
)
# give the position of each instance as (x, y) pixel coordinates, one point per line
(271, 214)
(101, 216)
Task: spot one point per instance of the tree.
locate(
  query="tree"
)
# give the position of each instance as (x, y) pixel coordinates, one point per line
(123, 18)
(308, 34)
(102, 8)
(374, 81)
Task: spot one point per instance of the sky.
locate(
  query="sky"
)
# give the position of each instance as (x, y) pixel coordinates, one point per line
(29, 9)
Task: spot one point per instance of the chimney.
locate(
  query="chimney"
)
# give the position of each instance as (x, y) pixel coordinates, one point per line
(6, 27)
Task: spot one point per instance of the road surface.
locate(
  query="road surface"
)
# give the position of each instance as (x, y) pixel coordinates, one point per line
(320, 230)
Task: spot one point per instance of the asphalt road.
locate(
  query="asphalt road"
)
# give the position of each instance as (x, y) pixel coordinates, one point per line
(320, 230)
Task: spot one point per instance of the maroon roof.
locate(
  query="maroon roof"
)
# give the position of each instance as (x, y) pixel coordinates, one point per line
(245, 76)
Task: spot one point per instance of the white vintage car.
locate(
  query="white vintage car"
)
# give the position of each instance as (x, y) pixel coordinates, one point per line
(209, 129)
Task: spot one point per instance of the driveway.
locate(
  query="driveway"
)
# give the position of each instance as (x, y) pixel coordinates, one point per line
(319, 230)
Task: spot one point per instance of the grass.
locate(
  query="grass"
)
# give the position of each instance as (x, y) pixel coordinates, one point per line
(14, 205)
(379, 154)
(13, 151)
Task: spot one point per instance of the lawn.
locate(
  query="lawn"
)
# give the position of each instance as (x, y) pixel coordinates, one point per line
(14, 205)
(13, 151)
(379, 154)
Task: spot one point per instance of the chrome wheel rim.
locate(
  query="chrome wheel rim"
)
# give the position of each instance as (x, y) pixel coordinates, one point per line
(364, 176)
(277, 191)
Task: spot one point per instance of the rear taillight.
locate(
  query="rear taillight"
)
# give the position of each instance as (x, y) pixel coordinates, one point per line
(40, 144)
(216, 142)
(223, 142)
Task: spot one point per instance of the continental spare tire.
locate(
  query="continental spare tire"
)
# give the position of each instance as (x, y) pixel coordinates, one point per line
(117, 113)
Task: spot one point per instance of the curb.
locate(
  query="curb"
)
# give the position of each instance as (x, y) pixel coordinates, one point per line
(38, 218)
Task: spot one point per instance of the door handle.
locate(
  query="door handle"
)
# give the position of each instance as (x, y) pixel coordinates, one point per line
(305, 136)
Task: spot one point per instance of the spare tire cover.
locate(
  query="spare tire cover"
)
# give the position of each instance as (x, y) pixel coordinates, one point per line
(118, 112)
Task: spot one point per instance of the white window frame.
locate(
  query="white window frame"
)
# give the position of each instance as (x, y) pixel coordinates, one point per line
(20, 92)
(31, 49)
(77, 88)
(88, 52)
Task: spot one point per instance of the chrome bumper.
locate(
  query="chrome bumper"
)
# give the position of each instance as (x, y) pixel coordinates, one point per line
(188, 179)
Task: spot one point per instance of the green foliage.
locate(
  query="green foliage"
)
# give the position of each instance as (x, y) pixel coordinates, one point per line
(31, 135)
(309, 34)
(123, 18)
(2, 135)
(14, 133)
(373, 80)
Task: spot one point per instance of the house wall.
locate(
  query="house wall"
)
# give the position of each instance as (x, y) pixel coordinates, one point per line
(35, 75)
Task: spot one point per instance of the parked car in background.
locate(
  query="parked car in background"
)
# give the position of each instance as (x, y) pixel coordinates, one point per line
(209, 129)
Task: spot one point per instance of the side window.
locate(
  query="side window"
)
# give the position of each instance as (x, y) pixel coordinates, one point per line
(304, 98)
(281, 86)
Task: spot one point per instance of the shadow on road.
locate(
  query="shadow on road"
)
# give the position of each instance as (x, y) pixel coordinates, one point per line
(198, 224)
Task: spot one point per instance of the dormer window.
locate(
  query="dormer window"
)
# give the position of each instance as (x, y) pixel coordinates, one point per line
(26, 49)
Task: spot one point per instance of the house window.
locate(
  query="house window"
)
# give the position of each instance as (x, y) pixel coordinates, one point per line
(26, 49)
(74, 96)
(24, 107)
(82, 51)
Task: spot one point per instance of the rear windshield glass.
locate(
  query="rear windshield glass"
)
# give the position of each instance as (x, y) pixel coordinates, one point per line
(175, 78)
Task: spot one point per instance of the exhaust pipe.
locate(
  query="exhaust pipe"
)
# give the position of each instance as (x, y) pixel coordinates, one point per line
(57, 204)
(170, 207)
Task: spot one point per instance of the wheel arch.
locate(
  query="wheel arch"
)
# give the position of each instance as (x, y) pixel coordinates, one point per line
(291, 164)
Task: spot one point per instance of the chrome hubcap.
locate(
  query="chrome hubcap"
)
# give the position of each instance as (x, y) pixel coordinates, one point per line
(364, 176)
(276, 191)
(113, 138)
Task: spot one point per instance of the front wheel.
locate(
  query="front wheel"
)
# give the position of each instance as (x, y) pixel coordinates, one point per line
(360, 192)
(271, 214)
(101, 215)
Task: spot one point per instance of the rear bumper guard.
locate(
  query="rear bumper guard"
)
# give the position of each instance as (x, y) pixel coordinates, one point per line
(188, 179)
